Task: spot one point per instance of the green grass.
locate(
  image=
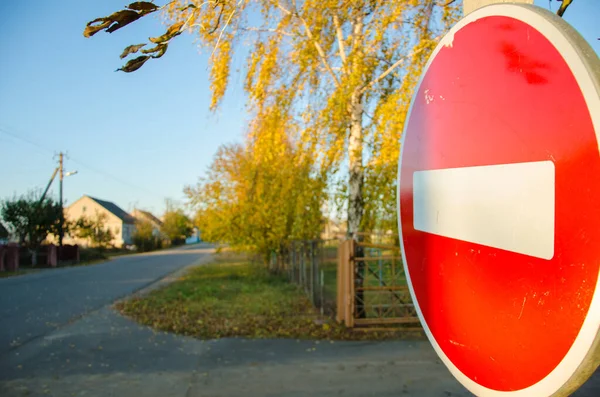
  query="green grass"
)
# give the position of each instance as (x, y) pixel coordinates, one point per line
(19, 272)
(93, 256)
(113, 252)
(329, 285)
(10, 274)
(234, 298)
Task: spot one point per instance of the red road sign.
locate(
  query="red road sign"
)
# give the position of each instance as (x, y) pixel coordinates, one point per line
(499, 202)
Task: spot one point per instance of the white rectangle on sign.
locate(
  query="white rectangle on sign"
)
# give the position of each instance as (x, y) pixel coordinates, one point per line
(505, 206)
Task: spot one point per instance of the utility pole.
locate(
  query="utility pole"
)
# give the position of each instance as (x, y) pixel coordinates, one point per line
(61, 175)
(48, 186)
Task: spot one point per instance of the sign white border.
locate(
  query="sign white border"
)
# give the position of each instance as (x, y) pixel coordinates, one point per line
(564, 378)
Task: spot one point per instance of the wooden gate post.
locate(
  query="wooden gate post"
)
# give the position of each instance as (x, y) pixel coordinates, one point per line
(345, 283)
(350, 295)
(339, 313)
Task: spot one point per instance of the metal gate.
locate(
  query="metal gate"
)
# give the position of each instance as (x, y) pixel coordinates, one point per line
(372, 288)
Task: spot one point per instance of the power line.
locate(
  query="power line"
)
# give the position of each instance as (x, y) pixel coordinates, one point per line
(122, 181)
(26, 140)
(81, 163)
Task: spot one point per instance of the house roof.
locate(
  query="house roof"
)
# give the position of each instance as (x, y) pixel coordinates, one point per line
(115, 210)
(148, 215)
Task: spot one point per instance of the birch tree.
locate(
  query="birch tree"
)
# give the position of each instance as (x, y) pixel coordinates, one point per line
(262, 194)
(335, 64)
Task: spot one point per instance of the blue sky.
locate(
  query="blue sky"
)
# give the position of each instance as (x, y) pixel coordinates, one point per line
(135, 139)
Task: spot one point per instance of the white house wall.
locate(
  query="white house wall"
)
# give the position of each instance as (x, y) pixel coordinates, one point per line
(87, 207)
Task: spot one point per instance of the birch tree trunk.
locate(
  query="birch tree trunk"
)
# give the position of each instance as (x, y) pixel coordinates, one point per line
(355, 197)
(356, 174)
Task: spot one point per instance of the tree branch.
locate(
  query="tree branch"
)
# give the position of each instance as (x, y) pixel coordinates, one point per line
(224, 27)
(266, 30)
(214, 29)
(391, 68)
(563, 7)
(166, 5)
(319, 49)
(340, 38)
(310, 37)
(282, 8)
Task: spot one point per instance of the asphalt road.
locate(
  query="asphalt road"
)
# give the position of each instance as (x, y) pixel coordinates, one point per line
(60, 337)
(104, 354)
(34, 305)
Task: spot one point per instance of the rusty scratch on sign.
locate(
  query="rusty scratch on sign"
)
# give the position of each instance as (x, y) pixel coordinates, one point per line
(522, 307)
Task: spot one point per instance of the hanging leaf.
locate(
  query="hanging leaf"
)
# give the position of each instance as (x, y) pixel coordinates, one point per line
(93, 27)
(122, 18)
(158, 50)
(134, 64)
(143, 6)
(111, 23)
(174, 30)
(132, 49)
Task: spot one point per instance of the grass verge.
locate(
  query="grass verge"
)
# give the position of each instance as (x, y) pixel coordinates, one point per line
(93, 256)
(20, 272)
(232, 297)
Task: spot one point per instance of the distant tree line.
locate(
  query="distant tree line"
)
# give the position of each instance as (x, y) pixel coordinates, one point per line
(176, 227)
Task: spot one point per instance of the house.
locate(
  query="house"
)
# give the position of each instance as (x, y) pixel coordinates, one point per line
(149, 217)
(119, 222)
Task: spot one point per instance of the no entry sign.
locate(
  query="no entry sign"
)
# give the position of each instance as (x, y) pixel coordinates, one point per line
(499, 202)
